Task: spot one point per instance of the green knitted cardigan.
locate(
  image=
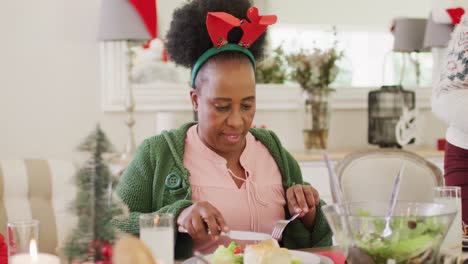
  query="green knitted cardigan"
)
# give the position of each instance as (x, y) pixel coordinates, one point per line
(144, 188)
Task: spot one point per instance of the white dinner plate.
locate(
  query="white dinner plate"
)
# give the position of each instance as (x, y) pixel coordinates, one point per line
(305, 257)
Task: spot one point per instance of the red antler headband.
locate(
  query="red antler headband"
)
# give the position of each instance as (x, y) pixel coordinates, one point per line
(220, 23)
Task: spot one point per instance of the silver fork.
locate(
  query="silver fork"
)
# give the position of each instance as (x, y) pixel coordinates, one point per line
(396, 189)
(280, 226)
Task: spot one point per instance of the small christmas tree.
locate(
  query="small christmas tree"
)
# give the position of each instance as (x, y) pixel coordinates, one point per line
(94, 235)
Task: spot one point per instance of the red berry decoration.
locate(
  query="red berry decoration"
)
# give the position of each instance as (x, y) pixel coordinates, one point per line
(3, 250)
(106, 251)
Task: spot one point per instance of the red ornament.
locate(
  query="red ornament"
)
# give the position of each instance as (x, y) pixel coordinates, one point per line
(441, 144)
(165, 56)
(3, 250)
(147, 44)
(106, 251)
(148, 14)
(220, 23)
(456, 14)
(257, 25)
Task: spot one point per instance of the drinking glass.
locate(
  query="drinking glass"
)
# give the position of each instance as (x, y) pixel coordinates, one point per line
(20, 234)
(157, 232)
(451, 196)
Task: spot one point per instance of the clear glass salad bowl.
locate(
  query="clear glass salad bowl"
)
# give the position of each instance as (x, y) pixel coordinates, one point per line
(417, 231)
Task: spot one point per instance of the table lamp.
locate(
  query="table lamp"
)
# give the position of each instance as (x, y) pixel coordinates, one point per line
(119, 21)
(409, 37)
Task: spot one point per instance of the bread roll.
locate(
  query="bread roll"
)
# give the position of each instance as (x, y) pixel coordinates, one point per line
(131, 250)
(266, 252)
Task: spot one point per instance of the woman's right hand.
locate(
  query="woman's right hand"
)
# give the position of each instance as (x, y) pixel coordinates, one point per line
(201, 217)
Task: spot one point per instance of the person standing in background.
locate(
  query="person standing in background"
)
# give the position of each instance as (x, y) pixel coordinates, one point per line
(450, 103)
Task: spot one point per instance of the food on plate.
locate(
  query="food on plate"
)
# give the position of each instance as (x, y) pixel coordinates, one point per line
(227, 255)
(267, 251)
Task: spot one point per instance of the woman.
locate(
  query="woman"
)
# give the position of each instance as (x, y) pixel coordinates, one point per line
(220, 174)
(450, 103)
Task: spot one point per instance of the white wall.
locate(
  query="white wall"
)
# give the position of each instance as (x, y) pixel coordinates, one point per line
(49, 76)
(49, 83)
(360, 13)
(367, 13)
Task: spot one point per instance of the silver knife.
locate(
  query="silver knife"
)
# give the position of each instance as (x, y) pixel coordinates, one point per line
(239, 235)
(246, 235)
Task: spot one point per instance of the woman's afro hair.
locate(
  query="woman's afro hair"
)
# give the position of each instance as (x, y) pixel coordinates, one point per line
(188, 39)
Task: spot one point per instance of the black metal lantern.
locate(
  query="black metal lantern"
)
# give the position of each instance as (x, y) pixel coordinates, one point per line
(385, 107)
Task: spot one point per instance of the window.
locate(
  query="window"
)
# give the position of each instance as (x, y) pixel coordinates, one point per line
(164, 87)
(369, 60)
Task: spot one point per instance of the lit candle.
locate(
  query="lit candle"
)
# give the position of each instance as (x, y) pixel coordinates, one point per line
(34, 257)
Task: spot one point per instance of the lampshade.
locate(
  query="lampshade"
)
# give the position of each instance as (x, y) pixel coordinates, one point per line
(409, 34)
(437, 34)
(120, 21)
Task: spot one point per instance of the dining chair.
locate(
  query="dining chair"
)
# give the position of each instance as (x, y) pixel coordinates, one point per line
(41, 189)
(370, 175)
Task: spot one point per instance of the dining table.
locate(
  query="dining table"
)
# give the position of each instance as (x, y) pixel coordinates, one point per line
(447, 256)
(309, 250)
(453, 256)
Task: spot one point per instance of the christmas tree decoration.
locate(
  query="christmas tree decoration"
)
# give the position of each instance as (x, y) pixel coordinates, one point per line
(94, 206)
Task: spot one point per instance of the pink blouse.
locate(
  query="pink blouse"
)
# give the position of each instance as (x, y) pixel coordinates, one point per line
(256, 206)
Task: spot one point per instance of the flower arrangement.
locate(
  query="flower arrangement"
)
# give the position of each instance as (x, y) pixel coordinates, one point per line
(273, 68)
(317, 70)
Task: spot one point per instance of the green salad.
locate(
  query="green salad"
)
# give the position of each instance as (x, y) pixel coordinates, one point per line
(413, 240)
(233, 254)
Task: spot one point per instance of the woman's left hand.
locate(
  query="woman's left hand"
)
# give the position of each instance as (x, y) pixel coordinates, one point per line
(303, 199)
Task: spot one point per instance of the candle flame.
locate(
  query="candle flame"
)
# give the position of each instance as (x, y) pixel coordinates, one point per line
(33, 250)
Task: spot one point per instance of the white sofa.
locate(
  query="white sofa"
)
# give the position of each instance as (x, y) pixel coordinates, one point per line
(39, 189)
